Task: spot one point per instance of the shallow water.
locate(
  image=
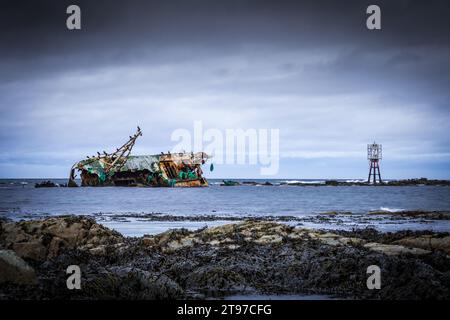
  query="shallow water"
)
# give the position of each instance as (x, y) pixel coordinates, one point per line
(138, 228)
(257, 200)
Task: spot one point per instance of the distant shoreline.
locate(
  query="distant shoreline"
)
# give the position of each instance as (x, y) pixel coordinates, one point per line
(339, 182)
(51, 182)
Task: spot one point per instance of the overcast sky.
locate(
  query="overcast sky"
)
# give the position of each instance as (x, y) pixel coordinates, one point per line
(311, 69)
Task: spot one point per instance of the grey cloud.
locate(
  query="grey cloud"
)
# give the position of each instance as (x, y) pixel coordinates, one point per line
(308, 68)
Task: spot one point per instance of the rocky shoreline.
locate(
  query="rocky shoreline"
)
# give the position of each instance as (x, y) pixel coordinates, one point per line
(337, 183)
(249, 257)
(159, 216)
(328, 183)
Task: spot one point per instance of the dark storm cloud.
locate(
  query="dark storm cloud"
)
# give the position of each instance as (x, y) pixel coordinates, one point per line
(34, 32)
(310, 68)
(35, 40)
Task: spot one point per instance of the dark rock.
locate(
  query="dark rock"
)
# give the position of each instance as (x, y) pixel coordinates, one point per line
(14, 269)
(248, 257)
(46, 184)
(39, 239)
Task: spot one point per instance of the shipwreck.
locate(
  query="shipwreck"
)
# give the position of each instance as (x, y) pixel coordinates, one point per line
(120, 168)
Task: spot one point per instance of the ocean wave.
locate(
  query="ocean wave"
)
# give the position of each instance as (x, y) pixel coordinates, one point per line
(391, 209)
(303, 182)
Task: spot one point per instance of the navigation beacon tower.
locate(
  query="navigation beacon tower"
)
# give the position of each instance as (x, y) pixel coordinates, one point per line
(374, 155)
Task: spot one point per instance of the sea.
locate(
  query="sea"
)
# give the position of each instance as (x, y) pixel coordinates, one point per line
(127, 209)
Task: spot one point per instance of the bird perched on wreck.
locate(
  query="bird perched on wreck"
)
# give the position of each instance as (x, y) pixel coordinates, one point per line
(122, 169)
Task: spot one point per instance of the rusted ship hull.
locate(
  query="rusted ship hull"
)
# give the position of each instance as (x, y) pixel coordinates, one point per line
(179, 170)
(122, 169)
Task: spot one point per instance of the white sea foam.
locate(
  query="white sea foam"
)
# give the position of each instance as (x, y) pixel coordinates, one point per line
(391, 209)
(303, 182)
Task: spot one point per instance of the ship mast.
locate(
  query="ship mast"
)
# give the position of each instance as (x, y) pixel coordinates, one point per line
(118, 158)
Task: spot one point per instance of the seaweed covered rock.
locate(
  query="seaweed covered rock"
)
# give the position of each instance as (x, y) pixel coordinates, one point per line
(432, 215)
(41, 239)
(130, 283)
(427, 242)
(260, 257)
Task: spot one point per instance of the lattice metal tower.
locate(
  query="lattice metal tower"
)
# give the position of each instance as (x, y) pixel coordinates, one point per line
(374, 155)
